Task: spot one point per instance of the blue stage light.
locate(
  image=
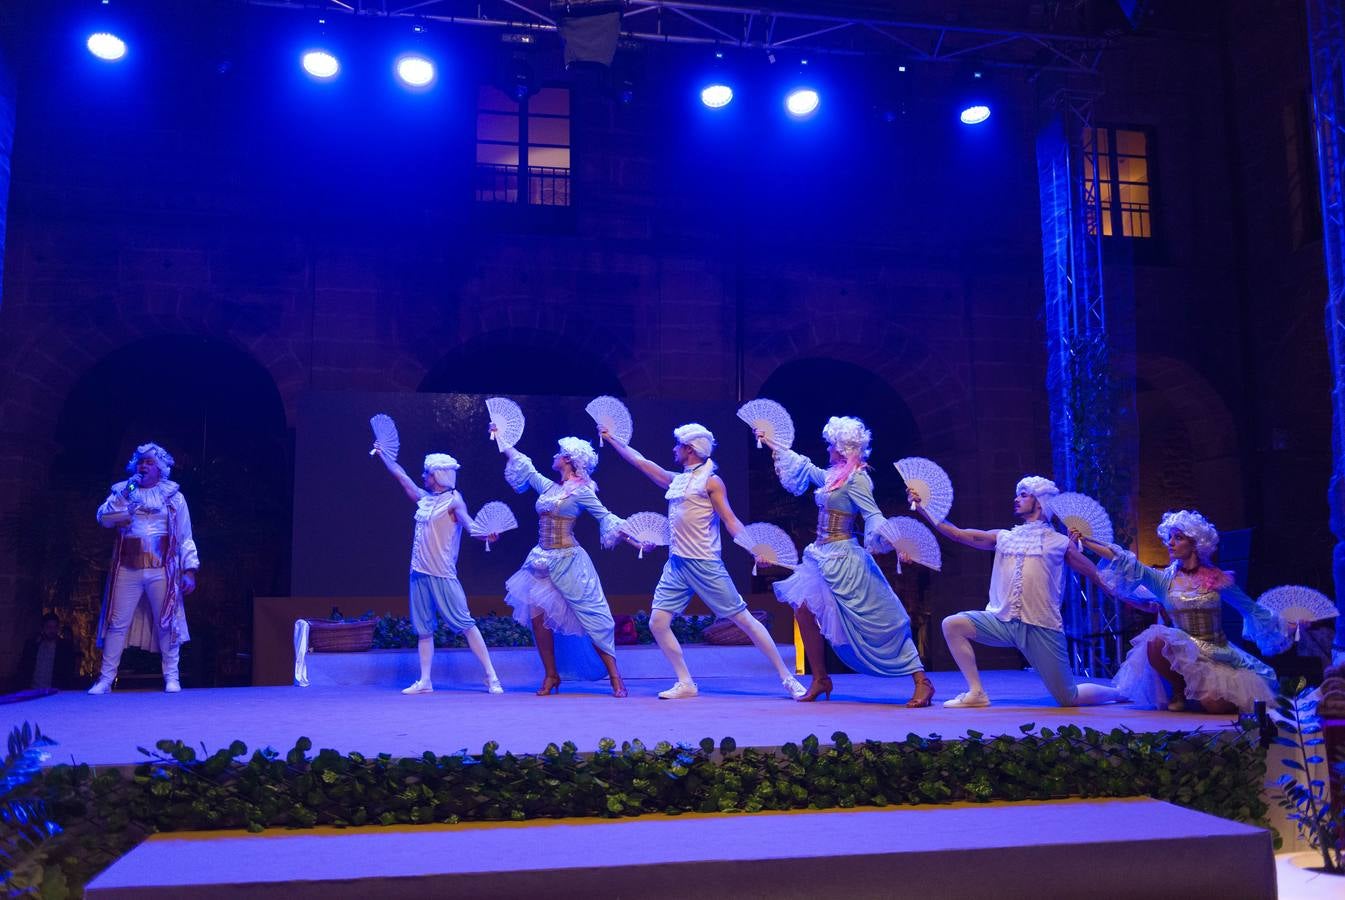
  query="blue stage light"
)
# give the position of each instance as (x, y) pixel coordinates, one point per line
(802, 102)
(415, 71)
(975, 115)
(321, 64)
(717, 96)
(106, 46)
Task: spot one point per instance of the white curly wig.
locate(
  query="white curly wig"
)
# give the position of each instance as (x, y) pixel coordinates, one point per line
(437, 462)
(1042, 488)
(697, 437)
(580, 453)
(848, 435)
(1193, 525)
(164, 458)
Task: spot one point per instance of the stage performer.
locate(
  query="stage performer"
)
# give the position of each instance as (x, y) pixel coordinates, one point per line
(838, 592)
(436, 595)
(1023, 611)
(154, 557)
(557, 589)
(697, 503)
(1189, 664)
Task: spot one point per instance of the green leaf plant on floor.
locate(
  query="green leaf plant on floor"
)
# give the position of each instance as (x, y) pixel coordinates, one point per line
(1319, 818)
(106, 813)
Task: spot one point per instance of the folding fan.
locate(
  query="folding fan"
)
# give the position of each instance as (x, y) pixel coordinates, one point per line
(493, 518)
(385, 436)
(772, 420)
(768, 542)
(508, 420)
(1295, 603)
(930, 483)
(1081, 513)
(903, 534)
(611, 413)
(648, 528)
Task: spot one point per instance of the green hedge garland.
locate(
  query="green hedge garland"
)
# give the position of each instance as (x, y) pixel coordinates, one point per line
(105, 813)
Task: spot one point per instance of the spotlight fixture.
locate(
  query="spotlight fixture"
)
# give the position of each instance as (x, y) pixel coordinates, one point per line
(415, 71)
(717, 96)
(802, 102)
(320, 64)
(974, 114)
(106, 46)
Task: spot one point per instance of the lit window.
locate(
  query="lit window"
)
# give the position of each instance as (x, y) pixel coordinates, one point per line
(531, 137)
(1117, 188)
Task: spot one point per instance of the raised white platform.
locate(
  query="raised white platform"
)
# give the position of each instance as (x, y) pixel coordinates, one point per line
(457, 668)
(1095, 849)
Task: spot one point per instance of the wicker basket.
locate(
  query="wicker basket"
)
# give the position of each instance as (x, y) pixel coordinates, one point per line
(727, 633)
(340, 637)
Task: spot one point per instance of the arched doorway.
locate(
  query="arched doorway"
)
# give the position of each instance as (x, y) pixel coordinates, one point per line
(219, 413)
(521, 361)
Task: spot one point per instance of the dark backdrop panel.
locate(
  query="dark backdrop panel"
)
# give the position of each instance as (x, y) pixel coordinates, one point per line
(353, 524)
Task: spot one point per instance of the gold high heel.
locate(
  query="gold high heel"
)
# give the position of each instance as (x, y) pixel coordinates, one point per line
(924, 692)
(619, 688)
(821, 685)
(550, 685)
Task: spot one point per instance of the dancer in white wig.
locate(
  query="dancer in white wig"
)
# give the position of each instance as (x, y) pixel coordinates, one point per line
(154, 557)
(839, 592)
(436, 595)
(557, 589)
(697, 502)
(1026, 588)
(1190, 663)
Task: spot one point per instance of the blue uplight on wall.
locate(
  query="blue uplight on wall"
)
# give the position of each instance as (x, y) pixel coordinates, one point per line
(802, 102)
(415, 71)
(106, 46)
(975, 114)
(320, 64)
(717, 96)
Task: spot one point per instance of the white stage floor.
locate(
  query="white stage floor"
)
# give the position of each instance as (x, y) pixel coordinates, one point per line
(752, 710)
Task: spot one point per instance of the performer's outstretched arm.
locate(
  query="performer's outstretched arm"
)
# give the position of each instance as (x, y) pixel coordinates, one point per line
(654, 472)
(968, 537)
(414, 491)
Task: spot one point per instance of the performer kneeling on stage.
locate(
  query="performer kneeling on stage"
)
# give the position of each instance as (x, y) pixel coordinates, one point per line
(697, 502)
(154, 557)
(1026, 586)
(436, 595)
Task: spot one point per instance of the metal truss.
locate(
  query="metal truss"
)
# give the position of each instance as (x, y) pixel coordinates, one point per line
(818, 27)
(1079, 379)
(1326, 42)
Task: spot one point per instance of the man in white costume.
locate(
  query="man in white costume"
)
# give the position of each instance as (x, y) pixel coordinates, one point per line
(1026, 589)
(697, 503)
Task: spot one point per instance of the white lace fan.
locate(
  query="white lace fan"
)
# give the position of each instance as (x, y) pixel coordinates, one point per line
(930, 483)
(493, 518)
(1295, 603)
(1081, 513)
(771, 419)
(385, 436)
(768, 542)
(648, 528)
(611, 413)
(508, 420)
(903, 534)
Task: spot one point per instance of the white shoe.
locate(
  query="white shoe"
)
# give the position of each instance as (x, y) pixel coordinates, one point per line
(101, 686)
(419, 687)
(968, 700)
(680, 691)
(172, 686)
(794, 689)
(493, 685)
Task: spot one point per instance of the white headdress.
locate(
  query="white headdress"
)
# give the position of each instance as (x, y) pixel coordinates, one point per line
(162, 456)
(1193, 525)
(437, 462)
(1041, 488)
(848, 435)
(697, 437)
(581, 455)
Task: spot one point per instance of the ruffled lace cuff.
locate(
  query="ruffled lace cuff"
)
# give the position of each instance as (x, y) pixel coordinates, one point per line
(190, 558)
(1122, 575)
(1271, 634)
(610, 530)
(874, 542)
(518, 472)
(794, 470)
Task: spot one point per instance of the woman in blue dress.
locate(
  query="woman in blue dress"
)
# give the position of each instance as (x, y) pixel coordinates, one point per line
(557, 590)
(838, 592)
(1190, 663)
